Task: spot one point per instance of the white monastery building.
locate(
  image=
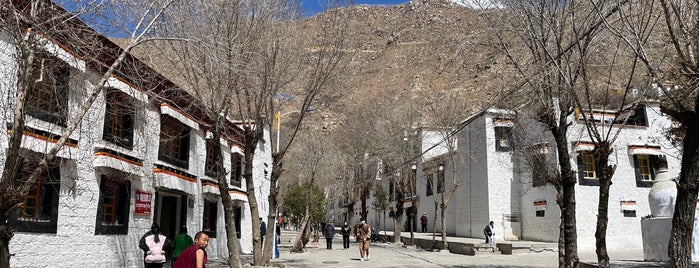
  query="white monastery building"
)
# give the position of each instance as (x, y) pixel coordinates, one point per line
(136, 158)
(500, 159)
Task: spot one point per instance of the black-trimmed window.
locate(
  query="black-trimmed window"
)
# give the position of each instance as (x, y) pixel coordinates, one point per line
(114, 206)
(503, 139)
(645, 167)
(540, 213)
(587, 171)
(39, 210)
(174, 142)
(429, 178)
(209, 217)
(210, 165)
(119, 119)
(539, 170)
(48, 98)
(236, 169)
(238, 220)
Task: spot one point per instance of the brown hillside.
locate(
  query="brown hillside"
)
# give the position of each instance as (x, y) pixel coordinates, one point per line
(419, 49)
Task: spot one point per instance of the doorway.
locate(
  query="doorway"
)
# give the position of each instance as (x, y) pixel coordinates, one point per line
(171, 212)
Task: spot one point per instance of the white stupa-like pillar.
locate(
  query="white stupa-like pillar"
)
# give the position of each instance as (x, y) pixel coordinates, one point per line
(656, 229)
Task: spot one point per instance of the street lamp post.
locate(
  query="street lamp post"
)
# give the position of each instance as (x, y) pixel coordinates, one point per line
(411, 220)
(440, 175)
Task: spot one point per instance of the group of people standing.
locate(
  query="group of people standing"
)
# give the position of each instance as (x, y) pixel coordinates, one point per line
(186, 252)
(361, 231)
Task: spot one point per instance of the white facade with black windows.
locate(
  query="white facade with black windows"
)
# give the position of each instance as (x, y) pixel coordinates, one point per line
(499, 171)
(135, 159)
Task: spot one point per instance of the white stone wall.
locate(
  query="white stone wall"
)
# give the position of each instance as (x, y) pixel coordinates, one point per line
(75, 243)
(622, 232)
(494, 184)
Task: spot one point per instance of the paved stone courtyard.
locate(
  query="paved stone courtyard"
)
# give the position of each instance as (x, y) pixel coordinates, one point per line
(391, 255)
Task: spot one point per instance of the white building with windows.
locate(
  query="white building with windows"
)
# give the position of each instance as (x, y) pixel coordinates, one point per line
(139, 156)
(501, 158)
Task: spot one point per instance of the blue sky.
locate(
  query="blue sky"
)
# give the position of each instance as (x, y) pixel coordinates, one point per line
(311, 7)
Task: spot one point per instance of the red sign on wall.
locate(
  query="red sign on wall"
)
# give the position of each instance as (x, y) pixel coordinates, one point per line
(143, 201)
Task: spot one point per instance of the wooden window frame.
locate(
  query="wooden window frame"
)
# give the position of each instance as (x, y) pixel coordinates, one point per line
(210, 163)
(45, 194)
(174, 142)
(236, 169)
(209, 217)
(115, 194)
(119, 118)
(428, 190)
(503, 139)
(47, 99)
(587, 167)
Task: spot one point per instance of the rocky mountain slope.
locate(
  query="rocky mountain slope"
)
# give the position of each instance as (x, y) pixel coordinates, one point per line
(422, 50)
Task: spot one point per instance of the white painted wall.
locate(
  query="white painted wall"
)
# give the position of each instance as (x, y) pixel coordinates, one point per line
(496, 183)
(74, 243)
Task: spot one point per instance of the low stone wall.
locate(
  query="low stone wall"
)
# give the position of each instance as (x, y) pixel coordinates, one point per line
(466, 248)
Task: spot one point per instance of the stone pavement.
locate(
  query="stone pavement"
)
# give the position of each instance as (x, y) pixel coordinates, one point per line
(393, 255)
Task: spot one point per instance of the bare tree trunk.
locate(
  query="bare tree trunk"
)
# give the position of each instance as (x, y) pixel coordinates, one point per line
(434, 227)
(273, 200)
(567, 203)
(680, 245)
(397, 226)
(445, 242)
(251, 139)
(602, 152)
(411, 224)
(232, 242)
(298, 246)
(298, 243)
(229, 211)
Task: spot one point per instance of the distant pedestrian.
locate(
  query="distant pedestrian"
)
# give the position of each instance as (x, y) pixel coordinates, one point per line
(345, 231)
(181, 242)
(363, 232)
(489, 233)
(153, 244)
(329, 233)
(423, 221)
(278, 236)
(263, 233)
(195, 255)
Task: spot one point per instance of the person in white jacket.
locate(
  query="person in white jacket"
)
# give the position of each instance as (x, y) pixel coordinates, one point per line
(153, 244)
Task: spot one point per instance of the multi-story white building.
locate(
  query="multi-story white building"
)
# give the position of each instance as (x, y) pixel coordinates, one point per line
(136, 158)
(498, 181)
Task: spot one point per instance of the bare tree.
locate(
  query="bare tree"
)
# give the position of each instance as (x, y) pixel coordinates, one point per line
(238, 57)
(447, 112)
(578, 67)
(316, 161)
(32, 26)
(646, 28)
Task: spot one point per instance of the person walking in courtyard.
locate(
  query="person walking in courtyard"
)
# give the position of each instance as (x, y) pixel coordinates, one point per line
(181, 242)
(263, 233)
(153, 244)
(423, 221)
(345, 231)
(363, 232)
(489, 233)
(195, 255)
(278, 237)
(329, 233)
